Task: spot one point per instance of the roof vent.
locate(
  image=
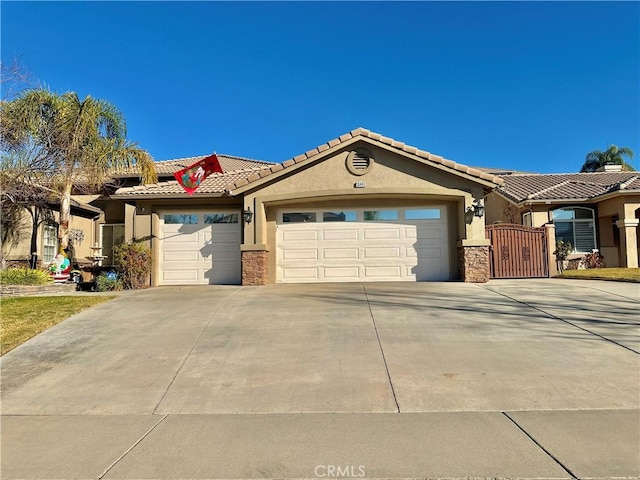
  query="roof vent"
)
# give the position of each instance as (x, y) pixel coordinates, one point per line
(359, 162)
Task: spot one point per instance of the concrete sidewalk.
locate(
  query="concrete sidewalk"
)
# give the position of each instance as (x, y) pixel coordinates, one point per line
(512, 379)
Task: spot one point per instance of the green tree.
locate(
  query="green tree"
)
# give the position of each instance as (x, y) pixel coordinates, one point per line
(80, 144)
(612, 156)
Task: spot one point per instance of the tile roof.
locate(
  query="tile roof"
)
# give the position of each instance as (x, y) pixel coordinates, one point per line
(215, 184)
(376, 137)
(228, 163)
(566, 186)
(240, 172)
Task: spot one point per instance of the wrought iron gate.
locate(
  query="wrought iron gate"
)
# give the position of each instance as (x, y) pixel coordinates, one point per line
(517, 251)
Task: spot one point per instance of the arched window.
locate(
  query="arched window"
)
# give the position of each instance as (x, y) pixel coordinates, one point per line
(577, 226)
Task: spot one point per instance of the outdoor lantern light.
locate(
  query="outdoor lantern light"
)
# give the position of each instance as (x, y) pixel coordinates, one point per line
(477, 208)
(247, 215)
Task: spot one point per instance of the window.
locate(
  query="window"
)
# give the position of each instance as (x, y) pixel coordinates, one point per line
(112, 235)
(526, 219)
(299, 217)
(373, 215)
(576, 225)
(339, 216)
(220, 218)
(181, 219)
(422, 214)
(49, 244)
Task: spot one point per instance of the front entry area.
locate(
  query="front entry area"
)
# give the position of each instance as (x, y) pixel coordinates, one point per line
(200, 247)
(362, 245)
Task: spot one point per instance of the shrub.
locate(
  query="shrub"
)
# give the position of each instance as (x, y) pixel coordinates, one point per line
(563, 249)
(593, 260)
(134, 263)
(24, 276)
(108, 282)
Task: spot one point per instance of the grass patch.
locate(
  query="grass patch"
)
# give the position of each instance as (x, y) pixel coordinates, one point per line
(618, 274)
(25, 317)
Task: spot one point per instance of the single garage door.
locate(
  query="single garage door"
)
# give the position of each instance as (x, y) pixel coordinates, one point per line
(362, 245)
(199, 248)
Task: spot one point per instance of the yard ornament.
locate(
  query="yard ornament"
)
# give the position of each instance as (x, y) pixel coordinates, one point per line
(191, 177)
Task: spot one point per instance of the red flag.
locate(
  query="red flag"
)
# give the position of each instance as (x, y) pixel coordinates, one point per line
(191, 177)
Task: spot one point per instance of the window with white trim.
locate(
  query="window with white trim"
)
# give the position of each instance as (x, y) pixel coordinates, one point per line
(577, 226)
(526, 219)
(49, 243)
(111, 235)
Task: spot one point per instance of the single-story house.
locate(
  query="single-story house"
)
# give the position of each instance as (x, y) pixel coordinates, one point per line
(361, 207)
(599, 210)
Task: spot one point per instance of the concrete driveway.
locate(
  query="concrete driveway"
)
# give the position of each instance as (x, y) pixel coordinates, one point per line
(525, 378)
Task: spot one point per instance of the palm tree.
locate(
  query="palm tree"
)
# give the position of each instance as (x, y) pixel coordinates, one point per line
(612, 156)
(84, 143)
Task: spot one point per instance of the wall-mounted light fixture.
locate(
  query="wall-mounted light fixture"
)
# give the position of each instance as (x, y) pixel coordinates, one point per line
(247, 215)
(477, 208)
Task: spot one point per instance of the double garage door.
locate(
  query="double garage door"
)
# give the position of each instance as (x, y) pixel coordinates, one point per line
(199, 247)
(359, 245)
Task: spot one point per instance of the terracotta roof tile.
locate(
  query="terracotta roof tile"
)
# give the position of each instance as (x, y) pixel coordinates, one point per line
(566, 186)
(229, 163)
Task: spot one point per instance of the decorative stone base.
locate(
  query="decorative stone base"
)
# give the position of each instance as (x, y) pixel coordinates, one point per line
(255, 267)
(474, 264)
(27, 290)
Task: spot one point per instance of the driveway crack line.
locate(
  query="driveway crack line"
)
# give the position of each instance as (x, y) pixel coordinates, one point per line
(132, 447)
(384, 358)
(563, 320)
(564, 467)
(204, 329)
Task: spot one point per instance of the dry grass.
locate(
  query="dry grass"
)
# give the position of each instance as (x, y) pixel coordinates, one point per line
(25, 317)
(617, 274)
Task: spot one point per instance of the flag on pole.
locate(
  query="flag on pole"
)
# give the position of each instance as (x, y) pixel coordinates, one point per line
(191, 177)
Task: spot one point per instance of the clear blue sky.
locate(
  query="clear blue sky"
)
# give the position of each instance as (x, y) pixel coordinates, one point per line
(531, 86)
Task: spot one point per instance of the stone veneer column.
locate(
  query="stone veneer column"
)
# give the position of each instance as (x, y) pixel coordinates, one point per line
(255, 267)
(474, 263)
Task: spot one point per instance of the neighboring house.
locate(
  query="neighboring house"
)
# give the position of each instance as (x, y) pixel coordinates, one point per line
(84, 223)
(361, 207)
(591, 210)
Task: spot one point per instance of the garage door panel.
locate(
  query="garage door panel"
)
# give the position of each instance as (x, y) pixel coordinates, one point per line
(300, 254)
(340, 253)
(180, 256)
(182, 274)
(381, 233)
(350, 234)
(382, 252)
(301, 273)
(390, 271)
(299, 235)
(341, 273)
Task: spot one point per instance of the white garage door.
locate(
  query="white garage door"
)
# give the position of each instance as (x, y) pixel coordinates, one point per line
(199, 248)
(337, 245)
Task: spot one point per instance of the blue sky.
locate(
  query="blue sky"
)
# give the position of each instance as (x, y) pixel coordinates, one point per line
(531, 86)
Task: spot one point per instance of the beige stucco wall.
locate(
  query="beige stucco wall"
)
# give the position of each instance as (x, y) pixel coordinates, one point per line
(394, 180)
(22, 249)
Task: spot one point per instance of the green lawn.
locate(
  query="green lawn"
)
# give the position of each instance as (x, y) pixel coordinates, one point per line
(24, 317)
(618, 274)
